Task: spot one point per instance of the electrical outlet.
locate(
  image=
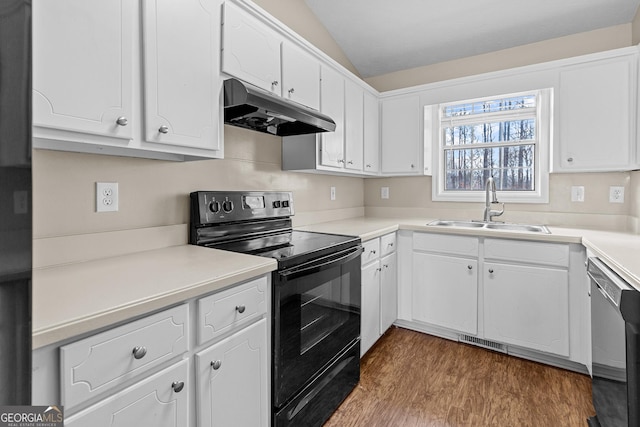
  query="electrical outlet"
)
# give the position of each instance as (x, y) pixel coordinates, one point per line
(384, 192)
(577, 193)
(333, 193)
(106, 196)
(616, 194)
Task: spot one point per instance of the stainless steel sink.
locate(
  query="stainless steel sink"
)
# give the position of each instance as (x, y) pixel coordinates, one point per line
(447, 223)
(522, 228)
(518, 227)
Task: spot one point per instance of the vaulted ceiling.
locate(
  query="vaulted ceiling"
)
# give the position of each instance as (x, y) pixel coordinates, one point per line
(382, 36)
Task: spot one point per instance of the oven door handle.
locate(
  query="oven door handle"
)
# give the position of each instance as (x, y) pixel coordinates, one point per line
(321, 264)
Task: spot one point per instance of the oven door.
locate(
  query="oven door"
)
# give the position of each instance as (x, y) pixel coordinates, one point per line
(316, 316)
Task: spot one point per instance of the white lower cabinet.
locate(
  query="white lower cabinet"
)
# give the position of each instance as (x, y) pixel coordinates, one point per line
(161, 400)
(445, 291)
(528, 297)
(379, 305)
(527, 306)
(232, 380)
(141, 373)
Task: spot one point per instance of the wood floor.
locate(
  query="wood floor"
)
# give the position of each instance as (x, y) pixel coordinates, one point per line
(412, 379)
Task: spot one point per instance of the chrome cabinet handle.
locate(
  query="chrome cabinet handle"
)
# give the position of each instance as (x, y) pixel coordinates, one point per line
(350, 162)
(274, 83)
(240, 308)
(570, 159)
(491, 270)
(412, 166)
(390, 244)
(122, 121)
(163, 129)
(470, 267)
(291, 91)
(177, 386)
(386, 265)
(139, 352)
(368, 166)
(216, 364)
(378, 269)
(373, 252)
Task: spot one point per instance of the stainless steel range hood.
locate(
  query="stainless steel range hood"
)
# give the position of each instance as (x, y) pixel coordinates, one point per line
(253, 108)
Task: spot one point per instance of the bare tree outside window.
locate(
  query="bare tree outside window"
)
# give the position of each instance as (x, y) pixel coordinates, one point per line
(493, 137)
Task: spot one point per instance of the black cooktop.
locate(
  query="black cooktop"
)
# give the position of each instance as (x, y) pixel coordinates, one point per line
(293, 247)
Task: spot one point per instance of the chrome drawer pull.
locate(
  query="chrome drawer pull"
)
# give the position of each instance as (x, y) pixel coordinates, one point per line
(240, 308)
(163, 129)
(177, 386)
(122, 121)
(139, 352)
(216, 365)
(491, 270)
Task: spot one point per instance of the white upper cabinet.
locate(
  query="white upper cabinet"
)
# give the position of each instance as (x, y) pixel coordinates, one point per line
(300, 76)
(401, 141)
(256, 53)
(371, 135)
(181, 62)
(354, 126)
(332, 104)
(83, 66)
(91, 59)
(597, 116)
(251, 50)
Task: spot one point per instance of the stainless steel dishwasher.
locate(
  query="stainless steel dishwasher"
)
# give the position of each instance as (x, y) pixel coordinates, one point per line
(615, 329)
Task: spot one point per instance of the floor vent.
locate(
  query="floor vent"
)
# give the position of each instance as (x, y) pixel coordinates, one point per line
(483, 343)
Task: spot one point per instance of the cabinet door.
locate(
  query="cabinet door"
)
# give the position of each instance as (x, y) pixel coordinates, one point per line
(445, 291)
(300, 76)
(527, 306)
(371, 138)
(597, 106)
(161, 400)
(82, 66)
(231, 380)
(401, 135)
(181, 78)
(251, 50)
(388, 292)
(370, 310)
(353, 125)
(332, 104)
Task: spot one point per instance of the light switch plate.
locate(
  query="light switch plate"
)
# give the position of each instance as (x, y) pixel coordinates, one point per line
(384, 192)
(577, 193)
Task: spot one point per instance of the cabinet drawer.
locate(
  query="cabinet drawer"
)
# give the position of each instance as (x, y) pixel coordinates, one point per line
(223, 311)
(103, 361)
(387, 244)
(371, 251)
(155, 401)
(555, 254)
(442, 243)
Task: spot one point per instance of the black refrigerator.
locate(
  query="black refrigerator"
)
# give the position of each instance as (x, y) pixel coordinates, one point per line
(15, 202)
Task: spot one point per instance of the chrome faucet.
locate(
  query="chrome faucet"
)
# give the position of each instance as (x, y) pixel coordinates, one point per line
(491, 198)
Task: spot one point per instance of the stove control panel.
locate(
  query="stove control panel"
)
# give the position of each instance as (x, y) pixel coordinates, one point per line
(208, 207)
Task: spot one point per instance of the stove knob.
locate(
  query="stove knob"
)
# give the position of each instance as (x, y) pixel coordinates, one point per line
(214, 207)
(285, 203)
(276, 204)
(227, 206)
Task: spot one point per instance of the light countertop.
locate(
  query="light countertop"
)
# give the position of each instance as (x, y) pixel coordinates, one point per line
(73, 299)
(621, 251)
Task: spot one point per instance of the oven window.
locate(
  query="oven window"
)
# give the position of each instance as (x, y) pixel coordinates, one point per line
(323, 310)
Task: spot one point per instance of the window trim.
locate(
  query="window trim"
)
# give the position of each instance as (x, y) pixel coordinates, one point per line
(544, 130)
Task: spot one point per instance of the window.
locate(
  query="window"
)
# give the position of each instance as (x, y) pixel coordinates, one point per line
(504, 136)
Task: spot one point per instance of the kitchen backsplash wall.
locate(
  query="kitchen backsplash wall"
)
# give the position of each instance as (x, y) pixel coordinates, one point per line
(411, 197)
(155, 193)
